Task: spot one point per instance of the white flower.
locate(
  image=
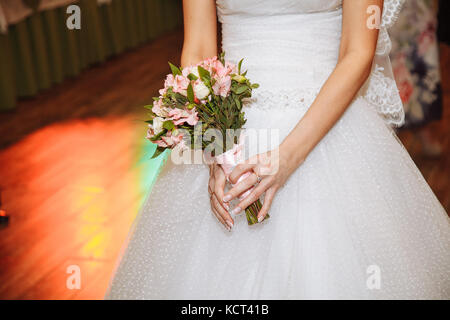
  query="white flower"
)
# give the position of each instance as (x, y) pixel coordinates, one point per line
(195, 72)
(201, 90)
(193, 69)
(157, 125)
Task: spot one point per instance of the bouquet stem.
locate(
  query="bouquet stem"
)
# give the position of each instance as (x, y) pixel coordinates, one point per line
(252, 212)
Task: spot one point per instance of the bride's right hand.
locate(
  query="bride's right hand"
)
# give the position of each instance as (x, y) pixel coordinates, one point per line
(216, 190)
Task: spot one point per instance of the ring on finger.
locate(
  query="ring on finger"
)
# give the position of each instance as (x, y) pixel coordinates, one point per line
(258, 177)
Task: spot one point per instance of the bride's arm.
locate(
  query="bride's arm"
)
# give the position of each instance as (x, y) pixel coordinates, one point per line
(200, 31)
(200, 43)
(357, 50)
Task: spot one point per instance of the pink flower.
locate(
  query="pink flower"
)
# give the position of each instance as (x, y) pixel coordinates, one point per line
(180, 85)
(170, 80)
(169, 140)
(150, 132)
(224, 70)
(222, 86)
(209, 63)
(159, 109)
(184, 116)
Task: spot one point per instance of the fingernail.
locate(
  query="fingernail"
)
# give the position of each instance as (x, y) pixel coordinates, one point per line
(236, 210)
(260, 218)
(227, 198)
(230, 224)
(226, 206)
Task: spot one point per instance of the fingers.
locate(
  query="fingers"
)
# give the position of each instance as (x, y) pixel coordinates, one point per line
(268, 198)
(219, 187)
(219, 217)
(211, 169)
(240, 170)
(211, 184)
(253, 196)
(222, 212)
(241, 187)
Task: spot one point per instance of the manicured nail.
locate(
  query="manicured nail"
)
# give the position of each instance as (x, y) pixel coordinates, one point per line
(260, 218)
(227, 198)
(236, 210)
(227, 206)
(230, 224)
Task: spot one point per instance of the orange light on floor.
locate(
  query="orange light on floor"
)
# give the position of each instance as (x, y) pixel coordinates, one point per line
(75, 189)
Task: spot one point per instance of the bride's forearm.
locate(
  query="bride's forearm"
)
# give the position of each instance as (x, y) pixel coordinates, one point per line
(191, 57)
(200, 31)
(335, 97)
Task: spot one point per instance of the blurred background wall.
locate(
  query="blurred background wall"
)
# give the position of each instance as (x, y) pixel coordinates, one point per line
(37, 50)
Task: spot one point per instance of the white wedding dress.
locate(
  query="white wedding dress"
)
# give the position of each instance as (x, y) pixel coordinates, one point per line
(356, 220)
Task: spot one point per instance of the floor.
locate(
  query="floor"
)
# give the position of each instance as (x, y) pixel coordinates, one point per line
(74, 169)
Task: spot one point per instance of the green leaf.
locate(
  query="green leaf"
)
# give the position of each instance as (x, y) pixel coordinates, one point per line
(222, 57)
(240, 65)
(175, 69)
(149, 107)
(204, 74)
(241, 89)
(159, 135)
(190, 93)
(180, 98)
(158, 152)
(238, 103)
(255, 86)
(192, 77)
(168, 124)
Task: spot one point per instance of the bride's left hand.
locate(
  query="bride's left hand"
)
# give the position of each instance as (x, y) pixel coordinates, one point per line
(269, 171)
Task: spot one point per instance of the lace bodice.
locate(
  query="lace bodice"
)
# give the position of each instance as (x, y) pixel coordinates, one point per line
(293, 45)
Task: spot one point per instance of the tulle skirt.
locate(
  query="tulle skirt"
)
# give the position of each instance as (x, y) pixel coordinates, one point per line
(355, 221)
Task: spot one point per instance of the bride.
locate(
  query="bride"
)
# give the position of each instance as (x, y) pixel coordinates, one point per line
(351, 217)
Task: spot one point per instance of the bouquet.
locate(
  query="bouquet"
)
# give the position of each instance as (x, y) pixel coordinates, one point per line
(200, 98)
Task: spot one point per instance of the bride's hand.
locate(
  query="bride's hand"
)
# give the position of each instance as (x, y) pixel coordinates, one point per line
(216, 188)
(270, 171)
